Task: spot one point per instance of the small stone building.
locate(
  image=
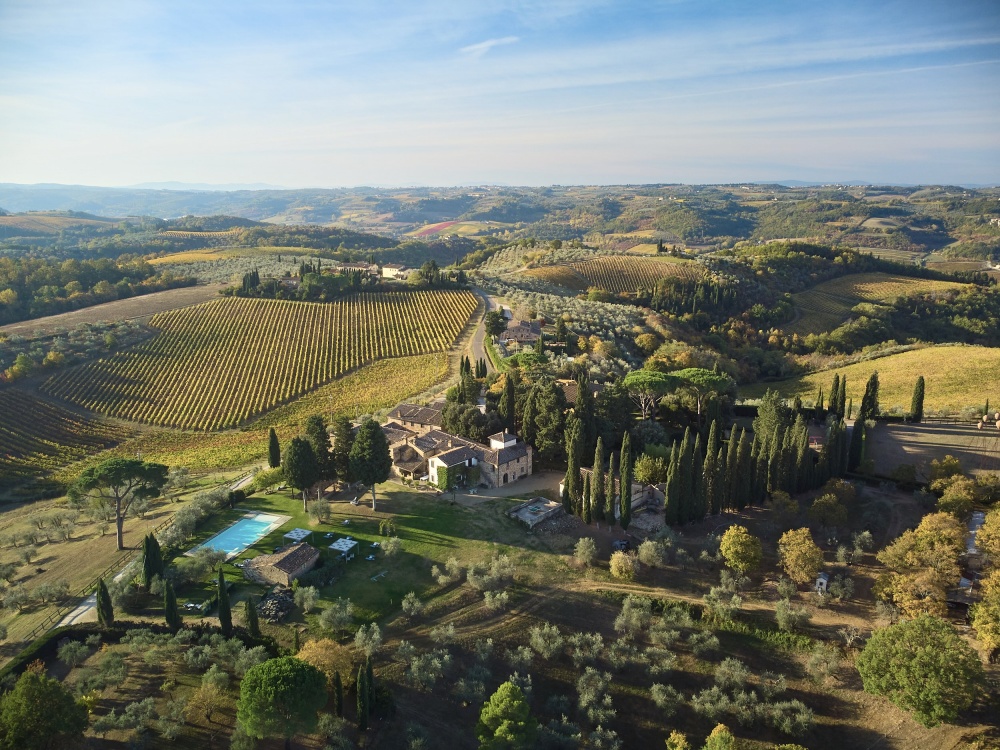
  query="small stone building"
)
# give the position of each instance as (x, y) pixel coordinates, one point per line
(282, 567)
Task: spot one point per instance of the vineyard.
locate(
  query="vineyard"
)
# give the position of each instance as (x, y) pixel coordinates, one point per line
(616, 273)
(216, 365)
(827, 305)
(36, 436)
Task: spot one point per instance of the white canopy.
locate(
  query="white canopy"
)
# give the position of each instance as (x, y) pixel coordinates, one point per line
(297, 535)
(344, 545)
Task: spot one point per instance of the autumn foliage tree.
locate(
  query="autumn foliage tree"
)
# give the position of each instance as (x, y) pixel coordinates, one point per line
(800, 557)
(740, 549)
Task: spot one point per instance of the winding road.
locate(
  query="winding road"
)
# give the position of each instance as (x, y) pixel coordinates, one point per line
(477, 346)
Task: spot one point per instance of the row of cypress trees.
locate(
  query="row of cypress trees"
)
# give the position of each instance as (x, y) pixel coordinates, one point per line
(598, 495)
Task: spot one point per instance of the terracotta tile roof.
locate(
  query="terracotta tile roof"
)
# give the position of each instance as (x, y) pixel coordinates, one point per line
(417, 414)
(290, 560)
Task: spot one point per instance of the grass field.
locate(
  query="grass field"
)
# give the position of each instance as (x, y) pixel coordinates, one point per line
(219, 364)
(957, 377)
(827, 305)
(616, 273)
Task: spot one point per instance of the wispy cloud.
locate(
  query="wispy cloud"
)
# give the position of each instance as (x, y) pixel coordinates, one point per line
(481, 48)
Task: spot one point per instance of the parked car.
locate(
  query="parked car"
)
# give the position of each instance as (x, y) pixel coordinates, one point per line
(621, 545)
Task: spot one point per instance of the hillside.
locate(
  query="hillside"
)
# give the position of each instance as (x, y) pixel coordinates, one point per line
(616, 274)
(827, 305)
(957, 377)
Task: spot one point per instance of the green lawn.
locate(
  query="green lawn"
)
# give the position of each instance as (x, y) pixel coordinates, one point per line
(431, 529)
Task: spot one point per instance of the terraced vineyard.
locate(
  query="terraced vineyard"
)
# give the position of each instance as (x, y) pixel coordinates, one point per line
(216, 365)
(616, 273)
(36, 436)
(827, 305)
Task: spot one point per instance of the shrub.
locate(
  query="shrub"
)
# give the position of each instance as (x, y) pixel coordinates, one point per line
(652, 553)
(703, 643)
(667, 698)
(732, 674)
(519, 658)
(412, 606)
(306, 597)
(787, 588)
(624, 565)
(546, 640)
(585, 551)
(585, 648)
(636, 614)
(789, 618)
(593, 696)
(823, 663)
(496, 601)
(72, 653)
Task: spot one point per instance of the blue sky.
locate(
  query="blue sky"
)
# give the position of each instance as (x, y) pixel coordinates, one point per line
(329, 93)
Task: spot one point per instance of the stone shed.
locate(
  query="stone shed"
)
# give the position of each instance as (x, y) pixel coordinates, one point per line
(282, 567)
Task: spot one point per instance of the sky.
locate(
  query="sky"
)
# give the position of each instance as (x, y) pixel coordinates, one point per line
(518, 92)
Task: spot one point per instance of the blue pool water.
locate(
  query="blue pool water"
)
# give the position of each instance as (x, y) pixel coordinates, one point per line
(242, 534)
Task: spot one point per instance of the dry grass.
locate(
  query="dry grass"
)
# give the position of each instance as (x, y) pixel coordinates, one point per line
(829, 304)
(957, 377)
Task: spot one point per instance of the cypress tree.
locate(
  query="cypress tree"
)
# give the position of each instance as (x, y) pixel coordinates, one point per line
(508, 399)
(720, 479)
(105, 608)
(672, 509)
(835, 394)
(732, 480)
(625, 482)
(610, 496)
(253, 625)
(685, 473)
(574, 446)
(698, 506)
(273, 449)
(564, 498)
(363, 704)
(751, 485)
(842, 398)
(869, 402)
(597, 498)
(855, 453)
(850, 408)
(338, 693)
(818, 415)
(917, 404)
(225, 614)
(152, 560)
(709, 470)
(586, 410)
(586, 513)
(170, 612)
(528, 413)
(370, 682)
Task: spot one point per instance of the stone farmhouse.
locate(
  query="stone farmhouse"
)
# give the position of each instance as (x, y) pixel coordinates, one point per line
(282, 567)
(418, 419)
(505, 459)
(521, 332)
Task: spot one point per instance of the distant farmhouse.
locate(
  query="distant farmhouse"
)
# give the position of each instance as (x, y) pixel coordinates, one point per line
(394, 271)
(447, 459)
(521, 332)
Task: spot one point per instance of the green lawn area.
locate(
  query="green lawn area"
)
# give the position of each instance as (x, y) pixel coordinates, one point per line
(431, 529)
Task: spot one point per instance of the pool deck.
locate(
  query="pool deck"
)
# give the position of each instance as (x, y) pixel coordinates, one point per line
(276, 523)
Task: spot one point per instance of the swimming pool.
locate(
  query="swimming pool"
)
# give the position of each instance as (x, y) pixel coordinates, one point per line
(236, 538)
